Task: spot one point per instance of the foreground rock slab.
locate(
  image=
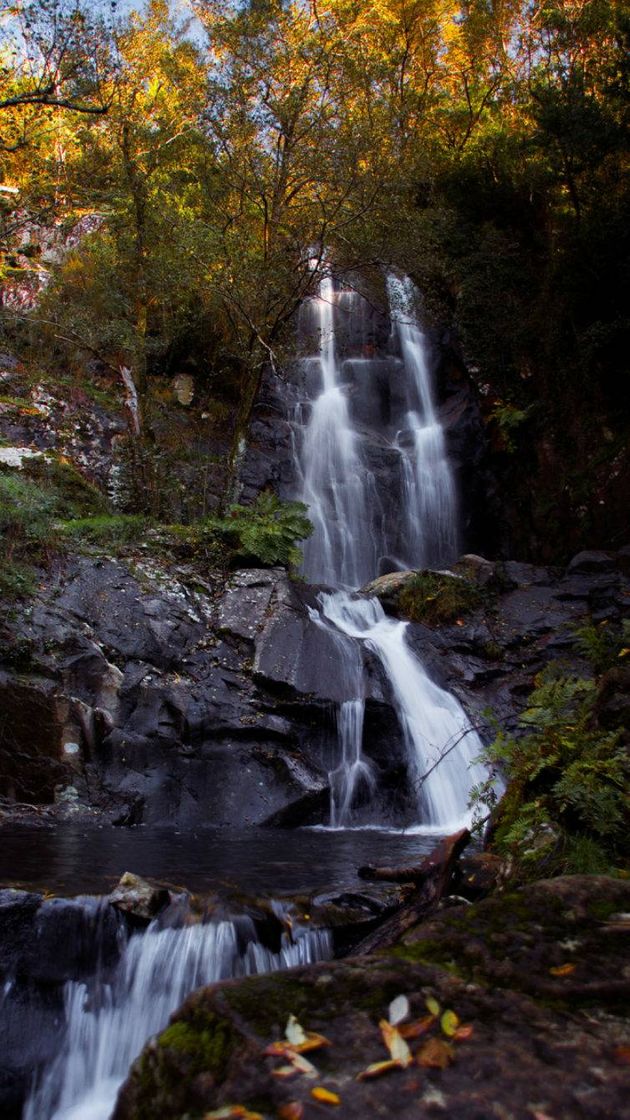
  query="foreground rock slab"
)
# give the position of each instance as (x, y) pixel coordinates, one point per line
(544, 1038)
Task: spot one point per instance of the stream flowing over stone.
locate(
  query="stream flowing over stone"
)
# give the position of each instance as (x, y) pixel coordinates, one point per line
(109, 1019)
(359, 384)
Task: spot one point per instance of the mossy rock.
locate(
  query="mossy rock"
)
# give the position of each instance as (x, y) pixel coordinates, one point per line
(519, 1054)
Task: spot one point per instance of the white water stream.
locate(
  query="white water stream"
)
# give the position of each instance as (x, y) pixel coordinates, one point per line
(109, 1021)
(371, 402)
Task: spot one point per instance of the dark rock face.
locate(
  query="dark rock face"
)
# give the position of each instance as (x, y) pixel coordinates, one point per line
(163, 704)
(134, 694)
(44, 943)
(529, 1048)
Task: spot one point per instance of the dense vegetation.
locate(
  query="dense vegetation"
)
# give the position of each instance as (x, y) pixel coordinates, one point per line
(177, 191)
(566, 804)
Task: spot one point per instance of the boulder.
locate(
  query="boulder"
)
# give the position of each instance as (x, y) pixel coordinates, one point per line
(138, 898)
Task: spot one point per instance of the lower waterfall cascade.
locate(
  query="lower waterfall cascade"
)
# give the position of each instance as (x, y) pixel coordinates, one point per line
(109, 1020)
(355, 534)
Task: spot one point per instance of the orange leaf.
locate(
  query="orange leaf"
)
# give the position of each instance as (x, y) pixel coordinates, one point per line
(563, 970)
(435, 1054)
(325, 1095)
(376, 1069)
(313, 1042)
(464, 1032)
(395, 1043)
(414, 1030)
(292, 1110)
(622, 1054)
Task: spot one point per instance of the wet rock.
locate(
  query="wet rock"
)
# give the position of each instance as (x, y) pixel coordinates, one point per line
(593, 561)
(138, 898)
(387, 588)
(476, 569)
(54, 939)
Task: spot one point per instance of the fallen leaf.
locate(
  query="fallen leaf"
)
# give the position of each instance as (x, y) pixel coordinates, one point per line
(414, 1030)
(435, 1054)
(395, 1043)
(278, 1049)
(232, 1112)
(325, 1095)
(378, 1068)
(464, 1032)
(449, 1023)
(292, 1110)
(398, 1010)
(284, 1072)
(563, 970)
(302, 1065)
(294, 1033)
(313, 1042)
(432, 1005)
(622, 1054)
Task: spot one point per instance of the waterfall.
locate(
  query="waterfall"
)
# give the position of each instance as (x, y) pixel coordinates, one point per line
(441, 747)
(109, 1020)
(428, 494)
(373, 468)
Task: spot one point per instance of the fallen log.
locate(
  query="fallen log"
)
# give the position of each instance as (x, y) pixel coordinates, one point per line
(432, 878)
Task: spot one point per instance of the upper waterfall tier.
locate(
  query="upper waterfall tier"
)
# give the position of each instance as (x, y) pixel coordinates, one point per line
(370, 449)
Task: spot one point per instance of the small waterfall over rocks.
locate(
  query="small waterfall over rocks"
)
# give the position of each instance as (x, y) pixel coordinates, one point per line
(372, 467)
(109, 1019)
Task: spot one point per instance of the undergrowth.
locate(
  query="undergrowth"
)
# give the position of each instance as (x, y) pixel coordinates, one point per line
(566, 807)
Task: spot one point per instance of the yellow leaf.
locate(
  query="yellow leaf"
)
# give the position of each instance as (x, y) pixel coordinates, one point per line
(395, 1043)
(284, 1072)
(435, 1054)
(449, 1023)
(325, 1095)
(432, 1005)
(377, 1068)
(563, 970)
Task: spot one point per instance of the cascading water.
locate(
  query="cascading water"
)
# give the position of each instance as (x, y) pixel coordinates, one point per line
(109, 1020)
(440, 744)
(428, 494)
(373, 469)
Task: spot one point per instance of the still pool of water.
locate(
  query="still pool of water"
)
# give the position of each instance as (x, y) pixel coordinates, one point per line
(74, 859)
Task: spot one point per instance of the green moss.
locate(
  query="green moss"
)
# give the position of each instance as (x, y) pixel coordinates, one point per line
(207, 1043)
(434, 599)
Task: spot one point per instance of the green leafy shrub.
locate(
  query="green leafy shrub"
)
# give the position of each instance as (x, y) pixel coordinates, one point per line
(566, 805)
(434, 598)
(105, 531)
(26, 532)
(266, 532)
(602, 645)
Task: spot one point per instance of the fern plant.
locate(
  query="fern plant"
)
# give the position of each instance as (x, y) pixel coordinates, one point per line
(567, 781)
(267, 531)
